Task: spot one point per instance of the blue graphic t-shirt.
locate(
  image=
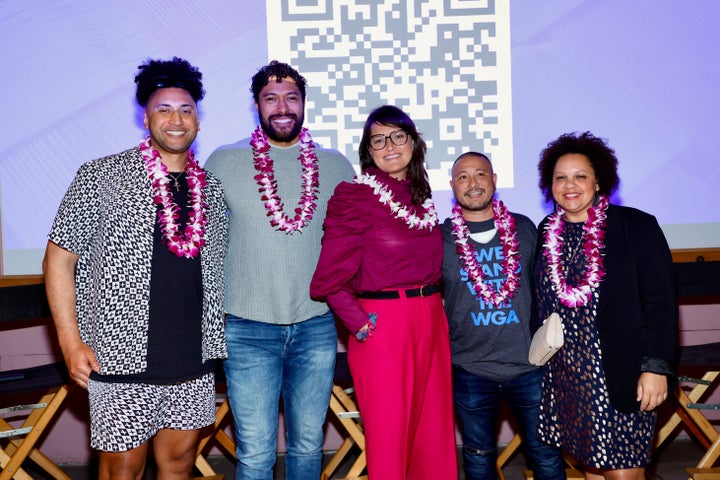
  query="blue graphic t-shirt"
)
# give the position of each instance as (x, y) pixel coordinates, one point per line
(489, 341)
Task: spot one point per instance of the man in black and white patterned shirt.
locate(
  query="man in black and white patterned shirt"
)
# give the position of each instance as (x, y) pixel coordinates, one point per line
(134, 278)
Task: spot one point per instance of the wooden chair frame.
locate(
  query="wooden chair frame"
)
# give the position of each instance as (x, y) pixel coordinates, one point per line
(692, 418)
(218, 435)
(345, 410)
(21, 441)
(689, 411)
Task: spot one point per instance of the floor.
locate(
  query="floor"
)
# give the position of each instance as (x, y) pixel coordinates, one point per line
(669, 464)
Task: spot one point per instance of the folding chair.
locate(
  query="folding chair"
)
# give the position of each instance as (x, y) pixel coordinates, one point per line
(506, 454)
(706, 358)
(688, 412)
(345, 410)
(705, 468)
(689, 408)
(703, 473)
(17, 444)
(216, 432)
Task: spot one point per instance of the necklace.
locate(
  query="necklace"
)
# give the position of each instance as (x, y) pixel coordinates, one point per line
(268, 185)
(592, 244)
(400, 210)
(175, 180)
(511, 254)
(186, 244)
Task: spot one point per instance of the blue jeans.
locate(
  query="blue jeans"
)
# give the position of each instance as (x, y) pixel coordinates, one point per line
(477, 403)
(266, 361)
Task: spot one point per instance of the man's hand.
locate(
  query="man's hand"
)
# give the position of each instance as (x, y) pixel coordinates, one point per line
(80, 362)
(59, 268)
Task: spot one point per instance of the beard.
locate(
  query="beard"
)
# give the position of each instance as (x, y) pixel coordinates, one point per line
(285, 135)
(474, 205)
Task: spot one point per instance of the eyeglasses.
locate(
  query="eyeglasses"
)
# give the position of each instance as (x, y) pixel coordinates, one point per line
(398, 137)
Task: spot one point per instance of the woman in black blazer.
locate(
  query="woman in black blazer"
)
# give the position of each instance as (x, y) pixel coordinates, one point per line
(607, 270)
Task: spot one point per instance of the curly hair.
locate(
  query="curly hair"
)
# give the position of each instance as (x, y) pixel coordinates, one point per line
(394, 117)
(155, 74)
(602, 160)
(279, 71)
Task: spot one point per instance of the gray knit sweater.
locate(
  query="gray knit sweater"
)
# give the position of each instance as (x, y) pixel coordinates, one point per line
(268, 272)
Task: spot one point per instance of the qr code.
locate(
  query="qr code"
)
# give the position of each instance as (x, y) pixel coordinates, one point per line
(445, 62)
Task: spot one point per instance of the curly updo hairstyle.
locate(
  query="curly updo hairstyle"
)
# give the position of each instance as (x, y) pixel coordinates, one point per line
(602, 160)
(155, 74)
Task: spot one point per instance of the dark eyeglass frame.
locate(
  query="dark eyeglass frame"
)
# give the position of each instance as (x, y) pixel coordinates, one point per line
(162, 81)
(390, 136)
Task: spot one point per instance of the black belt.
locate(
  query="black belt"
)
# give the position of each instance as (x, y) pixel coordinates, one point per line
(424, 291)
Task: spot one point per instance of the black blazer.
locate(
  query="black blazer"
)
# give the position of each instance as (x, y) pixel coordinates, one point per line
(637, 314)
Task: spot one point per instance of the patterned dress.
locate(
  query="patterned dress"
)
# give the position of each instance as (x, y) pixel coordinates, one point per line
(575, 411)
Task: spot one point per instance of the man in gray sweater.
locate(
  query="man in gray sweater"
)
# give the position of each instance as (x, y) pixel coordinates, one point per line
(280, 342)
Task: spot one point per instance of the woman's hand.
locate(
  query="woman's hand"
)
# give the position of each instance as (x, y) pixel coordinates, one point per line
(368, 329)
(652, 390)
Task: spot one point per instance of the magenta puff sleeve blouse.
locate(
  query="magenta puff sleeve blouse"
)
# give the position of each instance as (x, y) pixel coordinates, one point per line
(365, 248)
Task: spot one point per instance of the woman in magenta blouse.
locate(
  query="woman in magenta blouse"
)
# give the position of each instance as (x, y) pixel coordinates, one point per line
(379, 270)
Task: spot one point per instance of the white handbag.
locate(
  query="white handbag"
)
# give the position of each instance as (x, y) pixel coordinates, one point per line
(547, 340)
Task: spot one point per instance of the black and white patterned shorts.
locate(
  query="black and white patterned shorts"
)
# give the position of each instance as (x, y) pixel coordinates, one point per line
(123, 416)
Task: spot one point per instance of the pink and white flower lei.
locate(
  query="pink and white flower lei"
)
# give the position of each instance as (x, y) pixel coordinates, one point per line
(268, 185)
(186, 244)
(399, 210)
(511, 254)
(593, 241)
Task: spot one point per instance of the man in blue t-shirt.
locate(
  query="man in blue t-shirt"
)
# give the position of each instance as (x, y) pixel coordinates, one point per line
(488, 256)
